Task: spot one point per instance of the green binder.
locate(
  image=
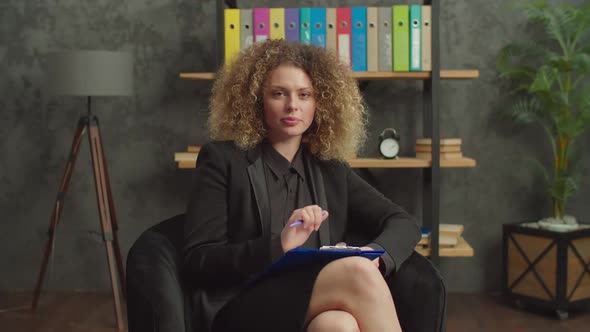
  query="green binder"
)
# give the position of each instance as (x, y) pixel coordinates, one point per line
(401, 38)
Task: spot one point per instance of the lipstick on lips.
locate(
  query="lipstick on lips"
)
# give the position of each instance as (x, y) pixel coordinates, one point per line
(290, 121)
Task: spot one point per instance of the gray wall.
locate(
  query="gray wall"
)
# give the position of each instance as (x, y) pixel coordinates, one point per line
(141, 133)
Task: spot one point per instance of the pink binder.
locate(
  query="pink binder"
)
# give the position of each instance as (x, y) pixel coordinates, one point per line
(261, 22)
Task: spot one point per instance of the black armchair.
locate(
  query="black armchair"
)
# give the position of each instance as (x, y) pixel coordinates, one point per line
(158, 298)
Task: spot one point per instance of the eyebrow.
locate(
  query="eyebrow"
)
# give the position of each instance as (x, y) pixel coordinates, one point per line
(285, 88)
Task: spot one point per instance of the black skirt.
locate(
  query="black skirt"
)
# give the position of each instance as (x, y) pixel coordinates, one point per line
(278, 302)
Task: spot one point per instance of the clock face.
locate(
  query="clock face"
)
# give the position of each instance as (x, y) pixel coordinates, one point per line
(389, 148)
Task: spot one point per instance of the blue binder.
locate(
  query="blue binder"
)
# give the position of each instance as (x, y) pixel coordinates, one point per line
(359, 38)
(318, 27)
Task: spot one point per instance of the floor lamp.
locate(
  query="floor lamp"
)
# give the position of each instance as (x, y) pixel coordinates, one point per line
(90, 74)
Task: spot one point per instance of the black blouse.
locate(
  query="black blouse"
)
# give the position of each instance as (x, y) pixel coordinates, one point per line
(288, 189)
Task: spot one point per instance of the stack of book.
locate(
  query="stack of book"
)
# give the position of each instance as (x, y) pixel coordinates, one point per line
(187, 159)
(449, 235)
(193, 148)
(450, 148)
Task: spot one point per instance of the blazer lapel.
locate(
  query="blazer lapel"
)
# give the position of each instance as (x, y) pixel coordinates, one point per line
(258, 183)
(318, 191)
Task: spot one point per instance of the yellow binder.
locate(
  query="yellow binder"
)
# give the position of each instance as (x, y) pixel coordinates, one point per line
(277, 23)
(231, 27)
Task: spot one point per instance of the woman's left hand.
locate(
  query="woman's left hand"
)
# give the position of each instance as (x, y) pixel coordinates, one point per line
(376, 260)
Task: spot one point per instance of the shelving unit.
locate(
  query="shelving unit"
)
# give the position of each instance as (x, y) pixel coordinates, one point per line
(430, 128)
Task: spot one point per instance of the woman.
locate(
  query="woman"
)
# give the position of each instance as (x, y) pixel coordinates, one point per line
(284, 117)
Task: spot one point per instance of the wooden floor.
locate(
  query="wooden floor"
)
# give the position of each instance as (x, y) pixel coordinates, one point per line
(93, 312)
(488, 312)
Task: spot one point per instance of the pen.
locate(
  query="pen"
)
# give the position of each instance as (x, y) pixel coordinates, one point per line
(299, 221)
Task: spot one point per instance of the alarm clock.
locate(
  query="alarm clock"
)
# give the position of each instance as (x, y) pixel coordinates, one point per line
(389, 143)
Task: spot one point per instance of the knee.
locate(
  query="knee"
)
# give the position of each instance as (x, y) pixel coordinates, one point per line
(335, 321)
(362, 275)
(360, 278)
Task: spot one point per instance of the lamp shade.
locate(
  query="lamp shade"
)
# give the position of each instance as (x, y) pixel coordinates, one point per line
(90, 73)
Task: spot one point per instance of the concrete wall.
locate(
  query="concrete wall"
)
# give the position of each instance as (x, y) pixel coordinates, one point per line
(141, 133)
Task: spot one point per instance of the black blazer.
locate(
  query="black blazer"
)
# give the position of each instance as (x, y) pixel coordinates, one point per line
(227, 238)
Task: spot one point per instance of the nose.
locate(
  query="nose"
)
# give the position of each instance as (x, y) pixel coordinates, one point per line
(292, 104)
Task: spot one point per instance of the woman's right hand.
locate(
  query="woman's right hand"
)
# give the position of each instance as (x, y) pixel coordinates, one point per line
(312, 217)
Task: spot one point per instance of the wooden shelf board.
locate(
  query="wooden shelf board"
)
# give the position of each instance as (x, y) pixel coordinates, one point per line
(462, 249)
(459, 74)
(407, 162)
(451, 74)
(188, 160)
(402, 162)
(198, 76)
(458, 162)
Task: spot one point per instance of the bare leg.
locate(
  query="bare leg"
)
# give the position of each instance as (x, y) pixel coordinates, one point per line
(333, 321)
(354, 285)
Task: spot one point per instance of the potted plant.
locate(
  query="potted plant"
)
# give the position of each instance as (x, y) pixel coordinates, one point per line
(547, 76)
(547, 79)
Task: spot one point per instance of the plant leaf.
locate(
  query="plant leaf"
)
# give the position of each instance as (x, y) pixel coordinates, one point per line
(543, 80)
(569, 126)
(513, 53)
(580, 63)
(539, 169)
(525, 110)
(564, 186)
(582, 23)
(581, 103)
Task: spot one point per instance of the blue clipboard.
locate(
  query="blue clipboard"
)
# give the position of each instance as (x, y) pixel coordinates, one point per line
(303, 256)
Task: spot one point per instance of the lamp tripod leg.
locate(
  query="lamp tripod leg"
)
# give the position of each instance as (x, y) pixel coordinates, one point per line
(115, 225)
(59, 202)
(105, 213)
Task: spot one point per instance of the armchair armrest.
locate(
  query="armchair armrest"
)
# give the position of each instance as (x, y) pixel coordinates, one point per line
(420, 295)
(155, 297)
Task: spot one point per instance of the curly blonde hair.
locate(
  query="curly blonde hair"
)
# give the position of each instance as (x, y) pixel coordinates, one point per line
(338, 128)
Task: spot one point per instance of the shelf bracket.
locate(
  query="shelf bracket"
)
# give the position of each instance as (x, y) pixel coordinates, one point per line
(363, 85)
(231, 3)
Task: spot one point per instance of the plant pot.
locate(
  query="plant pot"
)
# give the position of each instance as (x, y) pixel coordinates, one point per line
(546, 268)
(558, 227)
